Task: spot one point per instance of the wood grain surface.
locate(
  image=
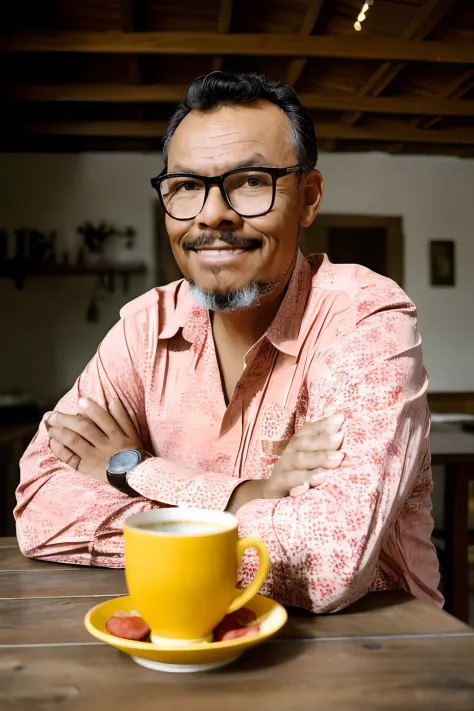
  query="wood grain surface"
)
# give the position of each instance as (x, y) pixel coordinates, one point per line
(388, 651)
(8, 542)
(407, 675)
(62, 583)
(12, 559)
(53, 620)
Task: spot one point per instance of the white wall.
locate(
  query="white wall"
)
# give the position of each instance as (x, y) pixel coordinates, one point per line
(45, 340)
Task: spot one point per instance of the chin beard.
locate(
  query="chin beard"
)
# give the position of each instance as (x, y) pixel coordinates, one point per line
(238, 300)
(246, 297)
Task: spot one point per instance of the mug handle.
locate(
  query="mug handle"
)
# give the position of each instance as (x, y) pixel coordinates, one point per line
(260, 575)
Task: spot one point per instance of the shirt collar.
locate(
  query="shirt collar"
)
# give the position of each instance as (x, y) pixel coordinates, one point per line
(180, 313)
(284, 330)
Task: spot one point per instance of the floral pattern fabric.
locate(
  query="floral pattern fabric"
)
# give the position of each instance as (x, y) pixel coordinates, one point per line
(344, 340)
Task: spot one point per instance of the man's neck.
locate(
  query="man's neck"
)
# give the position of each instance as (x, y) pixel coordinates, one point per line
(245, 327)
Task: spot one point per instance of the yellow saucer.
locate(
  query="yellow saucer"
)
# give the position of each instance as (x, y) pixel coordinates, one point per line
(185, 658)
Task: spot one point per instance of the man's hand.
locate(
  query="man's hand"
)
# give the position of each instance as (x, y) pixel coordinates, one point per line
(312, 450)
(86, 442)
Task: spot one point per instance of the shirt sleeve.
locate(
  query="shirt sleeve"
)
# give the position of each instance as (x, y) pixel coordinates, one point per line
(177, 483)
(65, 516)
(61, 514)
(325, 544)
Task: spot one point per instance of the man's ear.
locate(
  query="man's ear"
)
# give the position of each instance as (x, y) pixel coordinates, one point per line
(312, 188)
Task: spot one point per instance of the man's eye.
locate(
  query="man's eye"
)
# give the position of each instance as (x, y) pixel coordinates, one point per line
(187, 187)
(253, 182)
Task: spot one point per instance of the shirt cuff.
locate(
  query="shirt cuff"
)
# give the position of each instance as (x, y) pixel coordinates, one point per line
(175, 484)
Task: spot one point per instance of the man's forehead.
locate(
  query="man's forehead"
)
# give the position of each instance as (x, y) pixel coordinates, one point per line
(260, 130)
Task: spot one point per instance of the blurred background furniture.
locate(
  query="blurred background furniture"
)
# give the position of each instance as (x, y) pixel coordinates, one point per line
(13, 441)
(454, 449)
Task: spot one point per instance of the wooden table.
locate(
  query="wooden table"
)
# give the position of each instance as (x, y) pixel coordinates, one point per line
(389, 651)
(454, 448)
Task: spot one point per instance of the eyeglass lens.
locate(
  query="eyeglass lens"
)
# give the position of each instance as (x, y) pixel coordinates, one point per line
(249, 193)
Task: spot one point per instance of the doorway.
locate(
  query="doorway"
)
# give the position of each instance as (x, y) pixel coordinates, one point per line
(373, 241)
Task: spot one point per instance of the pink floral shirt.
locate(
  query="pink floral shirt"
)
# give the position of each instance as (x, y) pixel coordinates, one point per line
(344, 340)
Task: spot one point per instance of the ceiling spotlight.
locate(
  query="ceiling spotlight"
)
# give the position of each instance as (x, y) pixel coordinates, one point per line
(362, 14)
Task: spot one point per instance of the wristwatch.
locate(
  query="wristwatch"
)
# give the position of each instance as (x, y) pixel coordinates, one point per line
(120, 464)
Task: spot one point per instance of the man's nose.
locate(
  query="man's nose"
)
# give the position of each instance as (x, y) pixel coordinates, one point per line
(216, 211)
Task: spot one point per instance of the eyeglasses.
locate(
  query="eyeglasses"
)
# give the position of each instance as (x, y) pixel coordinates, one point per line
(248, 191)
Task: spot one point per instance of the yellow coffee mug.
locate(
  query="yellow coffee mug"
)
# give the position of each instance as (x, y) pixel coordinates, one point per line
(181, 567)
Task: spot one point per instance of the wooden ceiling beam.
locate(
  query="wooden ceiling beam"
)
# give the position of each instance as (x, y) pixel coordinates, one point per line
(263, 45)
(173, 93)
(132, 20)
(100, 93)
(155, 129)
(424, 21)
(297, 65)
(463, 83)
(223, 26)
(454, 90)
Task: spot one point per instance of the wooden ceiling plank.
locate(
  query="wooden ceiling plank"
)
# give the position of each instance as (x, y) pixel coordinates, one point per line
(100, 93)
(152, 129)
(382, 76)
(389, 104)
(223, 26)
(263, 45)
(454, 90)
(129, 13)
(173, 93)
(424, 21)
(131, 129)
(297, 65)
(225, 16)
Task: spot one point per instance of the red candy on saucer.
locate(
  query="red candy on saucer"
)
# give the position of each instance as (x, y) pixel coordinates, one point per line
(127, 626)
(241, 632)
(241, 623)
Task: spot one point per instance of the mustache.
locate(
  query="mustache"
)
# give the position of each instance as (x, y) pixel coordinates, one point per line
(206, 239)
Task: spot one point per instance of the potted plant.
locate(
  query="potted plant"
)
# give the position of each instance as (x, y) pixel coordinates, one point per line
(97, 237)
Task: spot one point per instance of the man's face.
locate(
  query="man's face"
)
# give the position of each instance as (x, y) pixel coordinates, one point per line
(211, 143)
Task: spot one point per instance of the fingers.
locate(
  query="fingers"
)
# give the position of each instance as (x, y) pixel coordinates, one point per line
(306, 461)
(73, 441)
(299, 490)
(101, 417)
(319, 442)
(328, 426)
(76, 423)
(301, 481)
(64, 454)
(123, 419)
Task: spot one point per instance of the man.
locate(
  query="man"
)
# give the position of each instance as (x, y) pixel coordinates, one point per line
(287, 390)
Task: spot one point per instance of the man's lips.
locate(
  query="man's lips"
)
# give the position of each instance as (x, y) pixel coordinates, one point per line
(219, 255)
(226, 248)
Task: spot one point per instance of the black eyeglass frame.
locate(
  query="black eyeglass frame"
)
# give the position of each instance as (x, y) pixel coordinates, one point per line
(218, 180)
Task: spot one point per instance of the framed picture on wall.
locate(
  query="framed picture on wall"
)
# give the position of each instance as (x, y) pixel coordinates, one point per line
(442, 263)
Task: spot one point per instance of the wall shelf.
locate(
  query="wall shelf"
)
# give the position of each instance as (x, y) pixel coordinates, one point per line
(19, 271)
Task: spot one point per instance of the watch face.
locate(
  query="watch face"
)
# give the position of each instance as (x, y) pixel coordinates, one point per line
(122, 462)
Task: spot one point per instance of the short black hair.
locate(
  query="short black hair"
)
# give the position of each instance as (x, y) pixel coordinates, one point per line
(226, 88)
